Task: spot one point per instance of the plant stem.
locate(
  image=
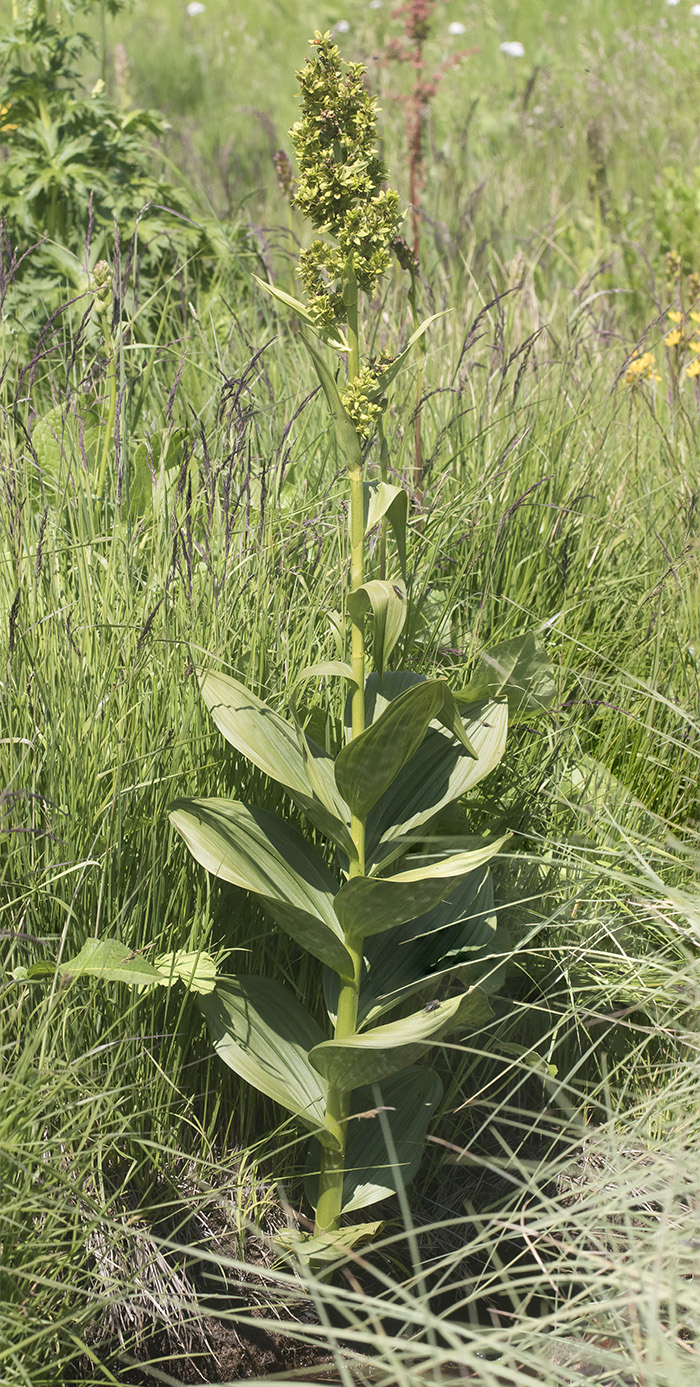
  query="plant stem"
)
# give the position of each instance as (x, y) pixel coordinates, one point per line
(330, 1189)
(384, 474)
(357, 561)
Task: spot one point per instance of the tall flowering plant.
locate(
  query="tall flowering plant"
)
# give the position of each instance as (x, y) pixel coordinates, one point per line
(404, 928)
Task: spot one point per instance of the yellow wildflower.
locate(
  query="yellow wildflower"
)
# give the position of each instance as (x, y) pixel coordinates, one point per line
(674, 338)
(675, 316)
(4, 125)
(693, 369)
(642, 368)
(694, 346)
(695, 317)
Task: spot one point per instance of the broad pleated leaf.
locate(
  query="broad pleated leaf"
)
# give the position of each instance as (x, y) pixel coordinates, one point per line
(473, 853)
(370, 905)
(368, 1056)
(264, 1034)
(258, 851)
(271, 743)
(387, 603)
(318, 765)
(367, 766)
(379, 693)
(383, 499)
(323, 1251)
(326, 669)
(410, 1099)
(438, 773)
(518, 670)
(111, 961)
(461, 938)
(267, 739)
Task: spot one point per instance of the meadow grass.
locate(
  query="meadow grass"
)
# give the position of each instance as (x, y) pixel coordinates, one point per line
(553, 1228)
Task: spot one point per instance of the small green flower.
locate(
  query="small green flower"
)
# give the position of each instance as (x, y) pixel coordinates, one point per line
(102, 286)
(341, 181)
(363, 411)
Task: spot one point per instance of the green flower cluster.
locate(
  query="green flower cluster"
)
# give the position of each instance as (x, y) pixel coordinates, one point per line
(363, 411)
(102, 286)
(340, 181)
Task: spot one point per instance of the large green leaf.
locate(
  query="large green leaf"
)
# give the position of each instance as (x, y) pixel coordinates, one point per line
(518, 670)
(111, 961)
(318, 766)
(195, 969)
(383, 499)
(271, 743)
(472, 853)
(387, 603)
(321, 1252)
(264, 1034)
(258, 851)
(409, 1100)
(461, 939)
(438, 773)
(367, 1056)
(370, 905)
(63, 440)
(367, 766)
(379, 693)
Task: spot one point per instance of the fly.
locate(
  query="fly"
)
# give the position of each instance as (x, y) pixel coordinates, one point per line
(431, 1006)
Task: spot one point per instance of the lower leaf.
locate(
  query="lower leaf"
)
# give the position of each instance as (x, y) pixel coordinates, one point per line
(323, 1251)
(386, 1138)
(264, 1034)
(367, 1056)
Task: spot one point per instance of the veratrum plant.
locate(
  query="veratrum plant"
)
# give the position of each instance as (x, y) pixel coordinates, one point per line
(405, 930)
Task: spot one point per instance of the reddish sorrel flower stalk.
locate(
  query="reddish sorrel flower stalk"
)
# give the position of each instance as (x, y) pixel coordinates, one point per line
(417, 17)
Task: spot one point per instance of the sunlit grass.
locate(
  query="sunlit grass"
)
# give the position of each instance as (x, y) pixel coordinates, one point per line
(557, 499)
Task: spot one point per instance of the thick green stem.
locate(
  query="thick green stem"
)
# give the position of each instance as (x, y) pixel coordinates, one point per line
(384, 474)
(357, 636)
(330, 1190)
(357, 562)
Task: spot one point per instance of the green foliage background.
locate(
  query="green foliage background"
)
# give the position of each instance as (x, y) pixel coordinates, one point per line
(557, 499)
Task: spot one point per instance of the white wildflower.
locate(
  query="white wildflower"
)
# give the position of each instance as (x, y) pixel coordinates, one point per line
(512, 50)
(194, 8)
(456, 28)
(376, 5)
(342, 27)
